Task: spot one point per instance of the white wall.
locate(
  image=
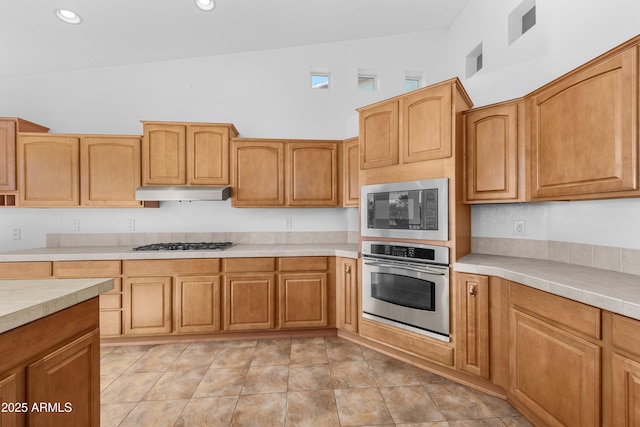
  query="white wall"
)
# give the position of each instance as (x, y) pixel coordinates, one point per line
(265, 94)
(567, 34)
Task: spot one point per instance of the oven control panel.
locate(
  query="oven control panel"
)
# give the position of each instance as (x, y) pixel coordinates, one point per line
(415, 252)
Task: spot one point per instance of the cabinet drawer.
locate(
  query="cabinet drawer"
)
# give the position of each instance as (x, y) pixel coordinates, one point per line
(244, 265)
(312, 263)
(108, 301)
(625, 334)
(571, 314)
(87, 268)
(110, 323)
(25, 270)
(170, 267)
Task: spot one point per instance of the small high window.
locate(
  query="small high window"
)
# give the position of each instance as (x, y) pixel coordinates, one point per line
(320, 80)
(474, 61)
(367, 83)
(521, 20)
(413, 80)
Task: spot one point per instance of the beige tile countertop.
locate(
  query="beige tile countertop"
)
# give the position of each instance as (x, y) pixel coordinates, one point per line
(86, 253)
(608, 290)
(23, 301)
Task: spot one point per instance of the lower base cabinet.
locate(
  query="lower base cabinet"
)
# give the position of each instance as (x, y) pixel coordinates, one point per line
(147, 305)
(302, 300)
(52, 378)
(197, 304)
(249, 302)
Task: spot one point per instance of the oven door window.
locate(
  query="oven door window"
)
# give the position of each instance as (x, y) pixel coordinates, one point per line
(404, 291)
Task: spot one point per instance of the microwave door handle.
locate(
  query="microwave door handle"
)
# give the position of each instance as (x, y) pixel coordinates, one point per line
(406, 267)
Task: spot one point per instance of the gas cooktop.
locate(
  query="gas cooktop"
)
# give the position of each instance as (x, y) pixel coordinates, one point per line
(184, 246)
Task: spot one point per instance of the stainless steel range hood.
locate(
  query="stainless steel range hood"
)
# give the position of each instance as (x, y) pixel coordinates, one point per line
(182, 193)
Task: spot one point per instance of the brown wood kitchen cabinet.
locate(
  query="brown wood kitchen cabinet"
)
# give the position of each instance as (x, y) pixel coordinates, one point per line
(170, 296)
(584, 130)
(185, 153)
(111, 309)
(67, 170)
(494, 150)
(49, 170)
(473, 291)
(57, 361)
(555, 357)
(622, 395)
(351, 172)
(414, 127)
(9, 127)
(347, 294)
(109, 170)
(282, 173)
(303, 292)
(249, 294)
(312, 173)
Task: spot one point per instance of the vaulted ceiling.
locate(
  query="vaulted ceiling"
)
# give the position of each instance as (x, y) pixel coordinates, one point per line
(121, 32)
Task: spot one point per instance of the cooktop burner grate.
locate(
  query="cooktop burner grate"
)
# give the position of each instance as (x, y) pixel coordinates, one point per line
(184, 246)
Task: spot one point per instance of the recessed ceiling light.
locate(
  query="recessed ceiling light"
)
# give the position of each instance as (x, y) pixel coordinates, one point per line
(205, 5)
(68, 16)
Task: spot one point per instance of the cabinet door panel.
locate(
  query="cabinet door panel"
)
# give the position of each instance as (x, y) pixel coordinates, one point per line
(584, 131)
(379, 136)
(258, 174)
(49, 170)
(426, 125)
(7, 155)
(303, 300)
(313, 174)
(65, 377)
(164, 149)
(626, 391)
(197, 304)
(208, 155)
(110, 171)
(474, 324)
(12, 390)
(491, 153)
(351, 173)
(249, 302)
(147, 305)
(347, 294)
(554, 373)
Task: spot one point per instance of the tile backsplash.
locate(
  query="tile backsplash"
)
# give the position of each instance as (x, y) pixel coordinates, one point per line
(256, 238)
(604, 257)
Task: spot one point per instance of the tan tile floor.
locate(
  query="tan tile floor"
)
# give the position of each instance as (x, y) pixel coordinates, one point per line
(283, 382)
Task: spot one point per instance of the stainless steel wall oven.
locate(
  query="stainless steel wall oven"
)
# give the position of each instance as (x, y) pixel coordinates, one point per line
(407, 286)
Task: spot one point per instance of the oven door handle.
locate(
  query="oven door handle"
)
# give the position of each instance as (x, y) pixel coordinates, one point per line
(406, 267)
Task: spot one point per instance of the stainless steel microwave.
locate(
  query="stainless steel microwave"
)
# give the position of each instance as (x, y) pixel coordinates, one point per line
(406, 210)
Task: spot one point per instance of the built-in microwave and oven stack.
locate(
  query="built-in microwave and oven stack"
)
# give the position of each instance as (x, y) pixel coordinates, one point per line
(413, 222)
(406, 284)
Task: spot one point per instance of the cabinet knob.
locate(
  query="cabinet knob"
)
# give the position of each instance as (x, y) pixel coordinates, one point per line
(347, 268)
(472, 290)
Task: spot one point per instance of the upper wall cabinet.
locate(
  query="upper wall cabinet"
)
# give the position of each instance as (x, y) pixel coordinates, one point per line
(410, 128)
(9, 127)
(176, 153)
(350, 172)
(494, 149)
(58, 170)
(277, 173)
(312, 171)
(584, 130)
(109, 170)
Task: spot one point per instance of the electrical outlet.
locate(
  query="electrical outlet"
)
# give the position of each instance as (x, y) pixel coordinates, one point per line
(16, 234)
(75, 225)
(131, 225)
(288, 224)
(519, 227)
